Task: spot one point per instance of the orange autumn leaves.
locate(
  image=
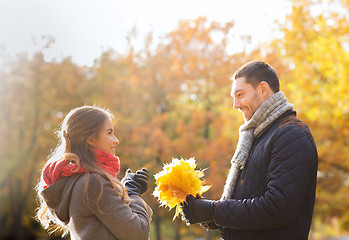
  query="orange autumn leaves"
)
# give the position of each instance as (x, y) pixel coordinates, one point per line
(178, 180)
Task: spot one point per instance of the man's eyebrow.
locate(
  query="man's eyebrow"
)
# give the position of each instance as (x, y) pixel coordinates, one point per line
(237, 91)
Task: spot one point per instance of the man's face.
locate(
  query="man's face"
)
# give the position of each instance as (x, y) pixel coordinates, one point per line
(247, 99)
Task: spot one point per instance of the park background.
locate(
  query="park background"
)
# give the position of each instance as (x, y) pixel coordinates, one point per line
(171, 94)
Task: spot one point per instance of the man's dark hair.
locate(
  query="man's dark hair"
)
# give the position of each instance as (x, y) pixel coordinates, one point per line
(258, 71)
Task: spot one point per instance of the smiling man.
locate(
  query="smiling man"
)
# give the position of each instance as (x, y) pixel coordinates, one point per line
(270, 189)
(249, 92)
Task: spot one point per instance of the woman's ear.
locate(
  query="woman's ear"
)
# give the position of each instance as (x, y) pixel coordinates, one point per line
(91, 141)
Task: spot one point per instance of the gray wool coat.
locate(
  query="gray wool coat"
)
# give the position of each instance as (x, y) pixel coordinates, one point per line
(111, 218)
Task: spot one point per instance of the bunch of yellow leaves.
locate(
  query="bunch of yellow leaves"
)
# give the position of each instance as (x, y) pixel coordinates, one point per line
(178, 180)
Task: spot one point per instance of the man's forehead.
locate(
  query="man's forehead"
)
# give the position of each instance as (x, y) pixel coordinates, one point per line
(239, 83)
(239, 80)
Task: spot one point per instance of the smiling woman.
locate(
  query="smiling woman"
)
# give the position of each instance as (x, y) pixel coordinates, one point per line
(79, 192)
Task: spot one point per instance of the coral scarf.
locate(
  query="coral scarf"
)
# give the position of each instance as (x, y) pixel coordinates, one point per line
(64, 168)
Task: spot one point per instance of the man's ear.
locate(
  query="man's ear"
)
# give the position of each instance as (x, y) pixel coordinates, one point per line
(265, 90)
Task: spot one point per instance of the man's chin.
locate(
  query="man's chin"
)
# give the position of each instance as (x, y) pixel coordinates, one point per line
(246, 118)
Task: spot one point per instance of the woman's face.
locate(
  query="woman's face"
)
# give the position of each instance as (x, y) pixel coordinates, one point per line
(105, 140)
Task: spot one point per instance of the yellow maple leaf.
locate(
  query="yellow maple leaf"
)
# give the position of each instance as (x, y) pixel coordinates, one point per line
(178, 180)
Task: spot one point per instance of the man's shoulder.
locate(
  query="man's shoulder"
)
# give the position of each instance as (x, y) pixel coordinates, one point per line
(291, 119)
(291, 125)
(286, 122)
(286, 125)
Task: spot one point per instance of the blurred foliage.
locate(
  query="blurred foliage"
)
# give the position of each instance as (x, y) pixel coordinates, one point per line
(174, 101)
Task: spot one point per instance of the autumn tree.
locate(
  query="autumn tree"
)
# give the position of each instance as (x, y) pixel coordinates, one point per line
(172, 99)
(35, 96)
(315, 48)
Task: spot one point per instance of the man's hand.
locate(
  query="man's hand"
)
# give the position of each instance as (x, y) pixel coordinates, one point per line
(136, 183)
(209, 225)
(198, 210)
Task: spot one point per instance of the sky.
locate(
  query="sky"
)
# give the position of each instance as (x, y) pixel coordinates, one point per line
(83, 29)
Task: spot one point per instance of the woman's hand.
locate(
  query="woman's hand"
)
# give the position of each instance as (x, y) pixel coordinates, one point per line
(136, 183)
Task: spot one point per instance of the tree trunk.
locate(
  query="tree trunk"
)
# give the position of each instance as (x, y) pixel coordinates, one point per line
(16, 209)
(207, 122)
(178, 226)
(157, 225)
(208, 235)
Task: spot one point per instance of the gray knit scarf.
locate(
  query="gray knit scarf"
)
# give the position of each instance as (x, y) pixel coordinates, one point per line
(267, 112)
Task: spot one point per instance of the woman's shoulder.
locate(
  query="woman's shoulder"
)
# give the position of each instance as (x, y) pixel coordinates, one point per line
(93, 184)
(93, 181)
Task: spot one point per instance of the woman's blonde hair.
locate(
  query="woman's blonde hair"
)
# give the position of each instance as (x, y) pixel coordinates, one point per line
(78, 126)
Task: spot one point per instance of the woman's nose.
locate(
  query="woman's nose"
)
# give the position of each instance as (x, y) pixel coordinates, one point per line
(116, 140)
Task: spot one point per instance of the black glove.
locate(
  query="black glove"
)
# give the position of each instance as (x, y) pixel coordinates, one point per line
(209, 225)
(141, 177)
(198, 210)
(136, 183)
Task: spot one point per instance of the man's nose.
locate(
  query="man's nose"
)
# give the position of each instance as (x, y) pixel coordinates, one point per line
(236, 103)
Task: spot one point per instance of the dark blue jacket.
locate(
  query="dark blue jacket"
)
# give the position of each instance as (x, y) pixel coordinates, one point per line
(275, 195)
